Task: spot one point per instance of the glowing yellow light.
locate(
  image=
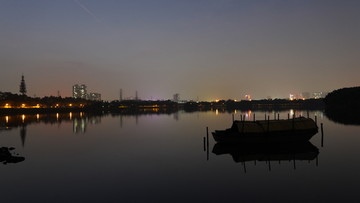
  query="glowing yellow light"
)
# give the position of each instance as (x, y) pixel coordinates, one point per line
(57, 105)
(23, 105)
(7, 119)
(37, 116)
(235, 111)
(81, 114)
(23, 118)
(7, 106)
(217, 100)
(57, 116)
(70, 115)
(70, 104)
(216, 112)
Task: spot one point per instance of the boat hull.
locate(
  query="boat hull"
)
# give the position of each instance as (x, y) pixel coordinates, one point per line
(275, 131)
(229, 136)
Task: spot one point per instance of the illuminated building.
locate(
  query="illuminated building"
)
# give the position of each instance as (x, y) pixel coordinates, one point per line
(248, 97)
(176, 97)
(95, 96)
(79, 91)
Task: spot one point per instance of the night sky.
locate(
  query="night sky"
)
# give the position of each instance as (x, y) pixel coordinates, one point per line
(201, 49)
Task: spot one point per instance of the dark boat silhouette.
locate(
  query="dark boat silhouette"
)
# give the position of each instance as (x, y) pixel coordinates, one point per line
(299, 129)
(267, 152)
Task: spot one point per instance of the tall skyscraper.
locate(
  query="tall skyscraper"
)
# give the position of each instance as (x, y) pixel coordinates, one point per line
(79, 91)
(22, 86)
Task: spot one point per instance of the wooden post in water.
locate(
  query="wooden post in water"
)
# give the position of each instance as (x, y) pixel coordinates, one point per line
(207, 143)
(244, 167)
(240, 117)
(322, 135)
(278, 116)
(204, 144)
(293, 122)
(254, 117)
(288, 116)
(294, 163)
(268, 123)
(243, 117)
(269, 165)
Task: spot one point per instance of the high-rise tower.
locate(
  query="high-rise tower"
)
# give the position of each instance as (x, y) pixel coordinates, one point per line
(22, 86)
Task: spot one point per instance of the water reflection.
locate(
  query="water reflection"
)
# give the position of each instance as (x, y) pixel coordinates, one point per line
(343, 116)
(242, 153)
(7, 157)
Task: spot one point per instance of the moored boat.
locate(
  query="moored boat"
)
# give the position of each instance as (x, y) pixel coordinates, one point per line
(275, 131)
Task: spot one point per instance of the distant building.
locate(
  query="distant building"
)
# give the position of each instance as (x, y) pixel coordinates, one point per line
(94, 96)
(248, 97)
(176, 97)
(79, 91)
(306, 95)
(22, 86)
(319, 95)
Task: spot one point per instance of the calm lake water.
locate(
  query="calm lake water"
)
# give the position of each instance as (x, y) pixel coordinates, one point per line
(161, 158)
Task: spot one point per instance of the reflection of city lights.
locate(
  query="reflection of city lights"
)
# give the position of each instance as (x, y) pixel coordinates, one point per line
(235, 111)
(70, 115)
(248, 114)
(292, 112)
(81, 114)
(23, 118)
(7, 119)
(57, 116)
(37, 117)
(216, 112)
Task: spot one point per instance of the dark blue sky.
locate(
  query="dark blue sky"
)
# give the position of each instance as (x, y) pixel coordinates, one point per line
(202, 49)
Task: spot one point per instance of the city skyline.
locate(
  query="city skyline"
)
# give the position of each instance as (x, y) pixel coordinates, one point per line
(201, 50)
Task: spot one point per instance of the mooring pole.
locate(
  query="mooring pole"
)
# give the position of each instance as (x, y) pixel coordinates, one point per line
(244, 167)
(204, 144)
(288, 116)
(278, 116)
(294, 163)
(207, 143)
(322, 135)
(254, 117)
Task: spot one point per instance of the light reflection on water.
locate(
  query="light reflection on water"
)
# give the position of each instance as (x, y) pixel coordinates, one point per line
(160, 158)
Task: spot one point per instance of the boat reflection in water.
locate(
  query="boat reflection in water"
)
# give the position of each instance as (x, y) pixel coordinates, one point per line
(302, 151)
(263, 152)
